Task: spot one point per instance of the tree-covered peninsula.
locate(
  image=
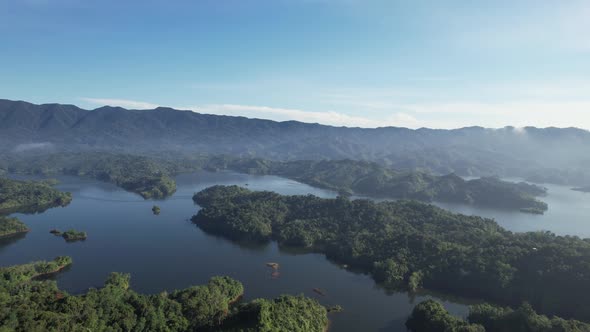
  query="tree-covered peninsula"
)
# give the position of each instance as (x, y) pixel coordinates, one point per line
(371, 179)
(30, 304)
(148, 177)
(11, 227)
(30, 196)
(431, 316)
(408, 244)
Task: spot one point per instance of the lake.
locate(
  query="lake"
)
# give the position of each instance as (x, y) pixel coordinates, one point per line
(568, 214)
(168, 252)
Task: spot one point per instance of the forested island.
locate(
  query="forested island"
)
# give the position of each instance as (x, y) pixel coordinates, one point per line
(30, 196)
(431, 316)
(30, 304)
(412, 245)
(11, 227)
(371, 179)
(70, 235)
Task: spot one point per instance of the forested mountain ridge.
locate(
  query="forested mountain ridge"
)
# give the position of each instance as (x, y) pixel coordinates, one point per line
(465, 151)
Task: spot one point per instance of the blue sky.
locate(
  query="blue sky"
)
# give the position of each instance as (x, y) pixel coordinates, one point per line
(441, 64)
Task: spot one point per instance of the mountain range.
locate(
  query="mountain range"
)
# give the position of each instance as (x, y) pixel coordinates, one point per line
(546, 154)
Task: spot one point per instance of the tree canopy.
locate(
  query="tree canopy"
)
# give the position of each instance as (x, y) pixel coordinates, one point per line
(30, 196)
(30, 304)
(408, 244)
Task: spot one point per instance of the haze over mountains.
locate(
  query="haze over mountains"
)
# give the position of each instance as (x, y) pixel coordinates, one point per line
(550, 154)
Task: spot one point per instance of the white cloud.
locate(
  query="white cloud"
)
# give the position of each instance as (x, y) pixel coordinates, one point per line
(559, 110)
(131, 104)
(326, 117)
(273, 113)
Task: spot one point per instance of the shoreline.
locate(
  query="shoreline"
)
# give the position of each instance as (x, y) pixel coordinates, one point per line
(9, 235)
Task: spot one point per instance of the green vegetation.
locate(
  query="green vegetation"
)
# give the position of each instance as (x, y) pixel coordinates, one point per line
(151, 177)
(27, 304)
(14, 276)
(335, 308)
(408, 244)
(30, 196)
(156, 210)
(148, 177)
(286, 313)
(11, 226)
(371, 179)
(71, 235)
(430, 316)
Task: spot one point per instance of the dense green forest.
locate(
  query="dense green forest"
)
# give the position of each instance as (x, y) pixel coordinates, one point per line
(151, 177)
(11, 227)
(431, 316)
(30, 196)
(371, 179)
(408, 244)
(30, 304)
(148, 177)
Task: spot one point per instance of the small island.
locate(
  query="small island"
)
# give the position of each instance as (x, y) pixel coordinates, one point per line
(70, 235)
(334, 309)
(156, 210)
(11, 227)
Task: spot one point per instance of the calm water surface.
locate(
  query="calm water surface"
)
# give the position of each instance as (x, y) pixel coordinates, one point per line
(568, 214)
(167, 252)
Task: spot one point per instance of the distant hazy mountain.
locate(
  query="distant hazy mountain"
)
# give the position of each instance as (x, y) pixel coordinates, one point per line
(562, 154)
